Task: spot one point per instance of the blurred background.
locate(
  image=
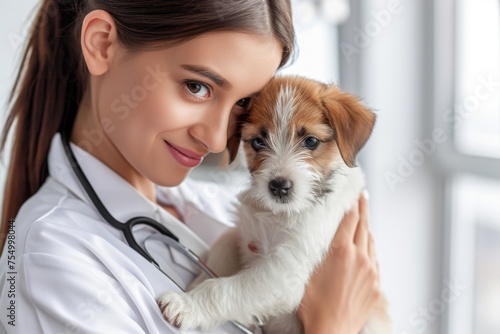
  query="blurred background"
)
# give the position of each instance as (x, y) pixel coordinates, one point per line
(430, 70)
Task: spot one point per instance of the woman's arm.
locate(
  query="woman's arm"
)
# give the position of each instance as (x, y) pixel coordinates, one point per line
(343, 291)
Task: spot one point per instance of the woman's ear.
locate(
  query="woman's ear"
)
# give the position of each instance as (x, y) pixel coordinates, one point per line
(351, 120)
(98, 41)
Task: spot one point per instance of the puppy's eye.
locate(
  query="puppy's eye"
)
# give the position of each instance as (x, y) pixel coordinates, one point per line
(311, 143)
(243, 102)
(257, 144)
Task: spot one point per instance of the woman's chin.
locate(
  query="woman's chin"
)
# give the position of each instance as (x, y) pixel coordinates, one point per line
(171, 179)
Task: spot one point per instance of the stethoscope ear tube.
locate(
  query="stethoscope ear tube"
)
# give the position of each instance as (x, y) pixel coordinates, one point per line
(87, 187)
(129, 236)
(125, 228)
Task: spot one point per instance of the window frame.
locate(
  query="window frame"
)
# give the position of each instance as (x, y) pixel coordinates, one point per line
(450, 163)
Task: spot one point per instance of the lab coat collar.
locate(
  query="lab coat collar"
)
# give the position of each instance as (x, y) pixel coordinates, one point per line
(119, 197)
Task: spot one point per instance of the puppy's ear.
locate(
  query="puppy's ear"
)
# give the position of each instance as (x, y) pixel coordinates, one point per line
(351, 121)
(233, 144)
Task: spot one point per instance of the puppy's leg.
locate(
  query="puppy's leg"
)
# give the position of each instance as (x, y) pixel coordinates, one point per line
(379, 321)
(223, 258)
(273, 286)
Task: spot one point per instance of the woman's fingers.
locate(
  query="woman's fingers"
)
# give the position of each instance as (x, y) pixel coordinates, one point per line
(347, 227)
(372, 254)
(362, 237)
(371, 248)
(348, 276)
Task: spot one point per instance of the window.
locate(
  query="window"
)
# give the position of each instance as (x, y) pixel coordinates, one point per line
(468, 103)
(477, 97)
(475, 249)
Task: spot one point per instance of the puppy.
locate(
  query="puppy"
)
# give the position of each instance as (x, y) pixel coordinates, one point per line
(300, 138)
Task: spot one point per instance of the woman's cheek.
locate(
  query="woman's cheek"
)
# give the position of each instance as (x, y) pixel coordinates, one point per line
(164, 111)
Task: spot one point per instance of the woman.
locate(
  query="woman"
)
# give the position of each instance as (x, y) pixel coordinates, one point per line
(144, 90)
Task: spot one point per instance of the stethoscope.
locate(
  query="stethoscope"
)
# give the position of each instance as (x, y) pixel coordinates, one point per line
(126, 228)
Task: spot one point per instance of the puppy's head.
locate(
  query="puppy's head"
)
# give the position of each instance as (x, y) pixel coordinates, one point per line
(297, 135)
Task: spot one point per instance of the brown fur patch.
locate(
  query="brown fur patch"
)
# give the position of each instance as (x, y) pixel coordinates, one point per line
(254, 160)
(352, 121)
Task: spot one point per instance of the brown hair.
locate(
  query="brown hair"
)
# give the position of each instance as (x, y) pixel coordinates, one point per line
(52, 76)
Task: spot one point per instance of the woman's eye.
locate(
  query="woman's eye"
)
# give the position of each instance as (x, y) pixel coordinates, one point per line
(243, 102)
(198, 89)
(311, 143)
(257, 144)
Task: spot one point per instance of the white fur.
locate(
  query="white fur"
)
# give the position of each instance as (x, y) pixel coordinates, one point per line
(292, 239)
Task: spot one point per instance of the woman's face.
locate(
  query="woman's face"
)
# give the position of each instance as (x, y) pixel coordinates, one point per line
(162, 111)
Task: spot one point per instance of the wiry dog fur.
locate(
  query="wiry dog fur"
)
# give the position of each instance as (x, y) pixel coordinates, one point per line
(289, 214)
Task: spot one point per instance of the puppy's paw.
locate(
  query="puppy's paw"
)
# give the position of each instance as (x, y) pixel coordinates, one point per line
(183, 312)
(175, 309)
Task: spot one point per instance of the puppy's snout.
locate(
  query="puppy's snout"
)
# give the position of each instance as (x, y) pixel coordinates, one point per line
(280, 187)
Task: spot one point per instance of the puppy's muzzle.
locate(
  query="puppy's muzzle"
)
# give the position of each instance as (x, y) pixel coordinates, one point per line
(280, 187)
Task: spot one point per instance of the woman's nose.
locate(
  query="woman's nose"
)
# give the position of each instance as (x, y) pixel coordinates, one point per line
(212, 130)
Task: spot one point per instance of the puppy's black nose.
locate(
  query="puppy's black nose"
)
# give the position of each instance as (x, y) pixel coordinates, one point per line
(280, 187)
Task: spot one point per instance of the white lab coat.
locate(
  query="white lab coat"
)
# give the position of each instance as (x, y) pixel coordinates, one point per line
(75, 273)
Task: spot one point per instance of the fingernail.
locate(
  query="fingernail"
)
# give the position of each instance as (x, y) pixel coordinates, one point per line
(365, 193)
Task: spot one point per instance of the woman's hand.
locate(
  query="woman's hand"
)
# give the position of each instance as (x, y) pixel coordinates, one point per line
(344, 289)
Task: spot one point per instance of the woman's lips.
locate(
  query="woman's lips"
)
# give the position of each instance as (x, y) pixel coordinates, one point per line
(183, 156)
